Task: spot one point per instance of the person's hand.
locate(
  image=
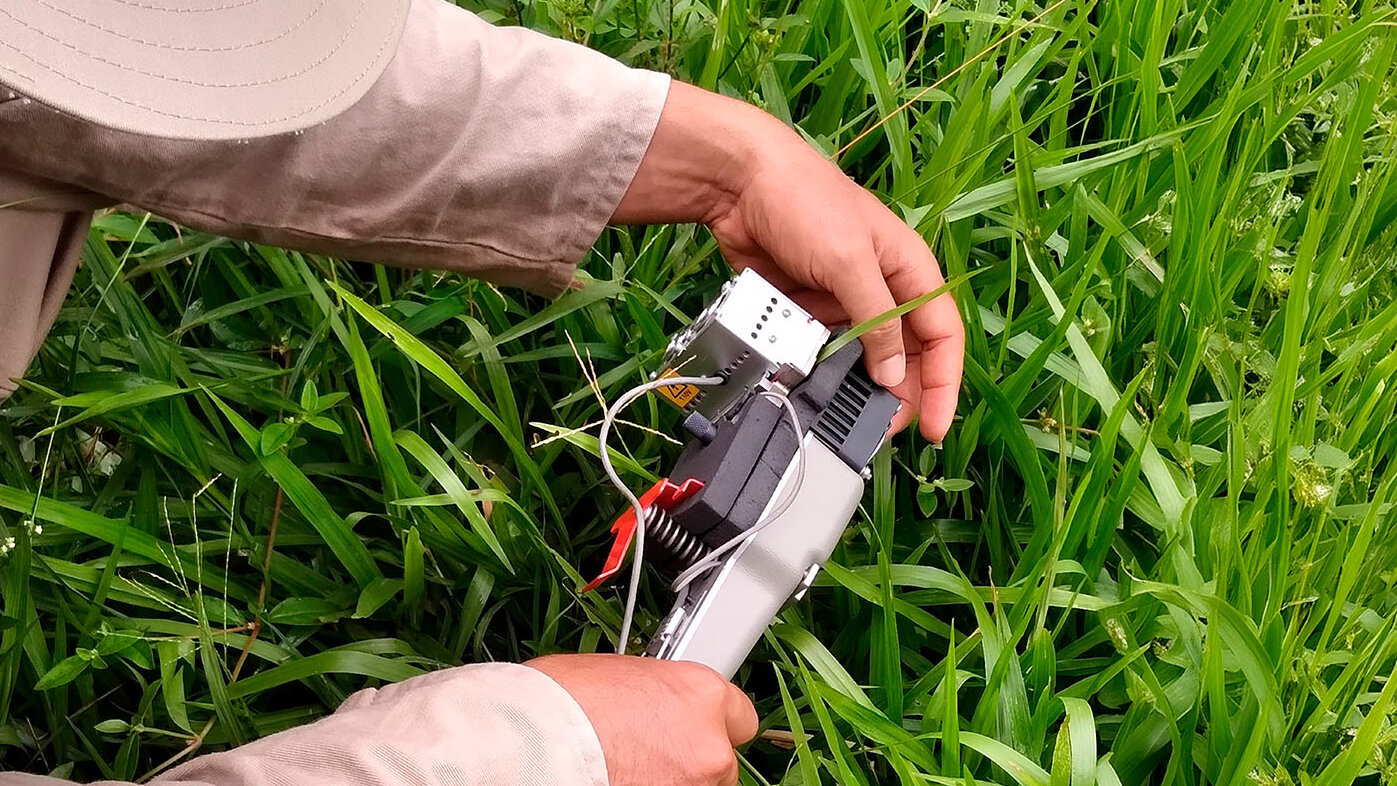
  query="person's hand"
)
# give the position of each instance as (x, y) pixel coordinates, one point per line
(777, 205)
(661, 723)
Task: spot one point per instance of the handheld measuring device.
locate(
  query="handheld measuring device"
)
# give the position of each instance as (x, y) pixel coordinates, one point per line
(779, 450)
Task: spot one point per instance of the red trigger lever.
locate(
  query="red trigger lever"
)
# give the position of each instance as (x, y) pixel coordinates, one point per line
(664, 494)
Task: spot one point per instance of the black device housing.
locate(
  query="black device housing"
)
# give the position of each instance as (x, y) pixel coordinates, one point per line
(742, 457)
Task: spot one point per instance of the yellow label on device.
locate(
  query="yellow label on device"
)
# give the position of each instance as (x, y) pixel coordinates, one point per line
(679, 395)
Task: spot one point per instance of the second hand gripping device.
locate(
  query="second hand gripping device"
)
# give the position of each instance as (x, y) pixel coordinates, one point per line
(780, 449)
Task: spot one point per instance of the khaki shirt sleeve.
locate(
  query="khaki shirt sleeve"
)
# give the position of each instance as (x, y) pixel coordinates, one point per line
(42, 229)
(496, 152)
(486, 725)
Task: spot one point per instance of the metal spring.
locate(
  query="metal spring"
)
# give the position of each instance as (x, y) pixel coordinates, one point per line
(682, 546)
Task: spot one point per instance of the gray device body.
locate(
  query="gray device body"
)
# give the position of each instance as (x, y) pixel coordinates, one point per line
(725, 613)
(745, 454)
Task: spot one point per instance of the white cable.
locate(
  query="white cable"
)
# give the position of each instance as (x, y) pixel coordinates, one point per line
(621, 403)
(712, 559)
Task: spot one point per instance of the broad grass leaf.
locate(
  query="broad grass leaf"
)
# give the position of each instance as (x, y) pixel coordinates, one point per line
(375, 595)
(1022, 769)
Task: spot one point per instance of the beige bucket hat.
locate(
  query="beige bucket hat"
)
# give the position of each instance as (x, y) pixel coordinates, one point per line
(198, 69)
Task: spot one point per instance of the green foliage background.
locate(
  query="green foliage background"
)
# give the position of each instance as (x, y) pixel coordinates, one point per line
(1157, 547)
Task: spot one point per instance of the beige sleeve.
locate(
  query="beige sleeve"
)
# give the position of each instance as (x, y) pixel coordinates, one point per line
(493, 724)
(493, 151)
(34, 277)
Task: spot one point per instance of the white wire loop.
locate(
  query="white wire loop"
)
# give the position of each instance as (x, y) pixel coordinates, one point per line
(607, 421)
(714, 558)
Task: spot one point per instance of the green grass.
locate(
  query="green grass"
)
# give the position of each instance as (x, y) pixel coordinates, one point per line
(1156, 548)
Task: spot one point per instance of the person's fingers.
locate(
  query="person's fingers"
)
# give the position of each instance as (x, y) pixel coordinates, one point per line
(941, 367)
(824, 307)
(859, 285)
(938, 329)
(901, 420)
(835, 306)
(910, 391)
(741, 716)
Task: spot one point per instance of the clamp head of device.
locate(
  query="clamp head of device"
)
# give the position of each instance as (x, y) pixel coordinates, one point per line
(663, 495)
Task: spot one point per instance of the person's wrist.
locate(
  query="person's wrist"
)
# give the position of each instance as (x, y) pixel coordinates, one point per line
(704, 152)
(740, 137)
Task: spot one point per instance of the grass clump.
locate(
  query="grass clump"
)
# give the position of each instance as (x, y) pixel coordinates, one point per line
(1157, 546)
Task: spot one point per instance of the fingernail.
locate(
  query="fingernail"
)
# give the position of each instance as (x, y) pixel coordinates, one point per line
(891, 371)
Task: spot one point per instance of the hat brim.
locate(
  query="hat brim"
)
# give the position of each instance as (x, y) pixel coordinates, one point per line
(198, 69)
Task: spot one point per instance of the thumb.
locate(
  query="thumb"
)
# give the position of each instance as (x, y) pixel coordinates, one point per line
(863, 292)
(741, 716)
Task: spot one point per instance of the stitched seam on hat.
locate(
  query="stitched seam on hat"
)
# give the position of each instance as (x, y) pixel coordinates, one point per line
(168, 10)
(174, 48)
(214, 120)
(18, 74)
(338, 46)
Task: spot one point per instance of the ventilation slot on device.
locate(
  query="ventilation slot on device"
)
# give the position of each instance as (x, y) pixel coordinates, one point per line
(838, 420)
